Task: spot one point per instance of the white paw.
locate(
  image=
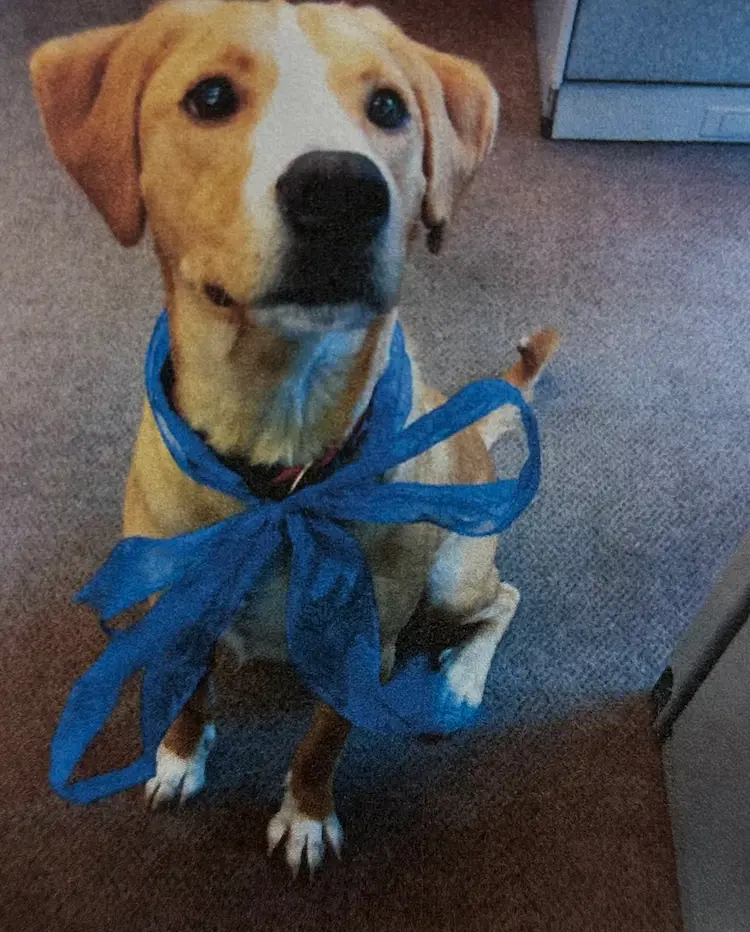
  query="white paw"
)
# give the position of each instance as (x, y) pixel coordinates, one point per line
(178, 778)
(467, 667)
(466, 670)
(305, 837)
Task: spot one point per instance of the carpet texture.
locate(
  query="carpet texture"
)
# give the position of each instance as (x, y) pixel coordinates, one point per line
(640, 256)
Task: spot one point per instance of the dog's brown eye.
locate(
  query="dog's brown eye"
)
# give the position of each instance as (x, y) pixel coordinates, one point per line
(212, 99)
(386, 109)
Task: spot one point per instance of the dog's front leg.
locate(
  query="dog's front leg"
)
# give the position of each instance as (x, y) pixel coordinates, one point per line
(181, 756)
(152, 509)
(307, 817)
(466, 593)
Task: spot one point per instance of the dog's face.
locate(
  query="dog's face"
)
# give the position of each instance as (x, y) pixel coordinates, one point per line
(283, 155)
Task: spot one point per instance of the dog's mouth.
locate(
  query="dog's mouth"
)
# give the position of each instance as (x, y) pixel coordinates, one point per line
(322, 287)
(219, 295)
(327, 272)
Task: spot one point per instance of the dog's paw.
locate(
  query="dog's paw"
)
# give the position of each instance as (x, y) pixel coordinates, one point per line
(178, 778)
(466, 675)
(467, 667)
(305, 837)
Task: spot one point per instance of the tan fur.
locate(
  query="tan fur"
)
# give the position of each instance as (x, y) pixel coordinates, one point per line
(110, 102)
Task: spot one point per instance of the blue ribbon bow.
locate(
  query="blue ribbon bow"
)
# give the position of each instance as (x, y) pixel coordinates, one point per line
(332, 620)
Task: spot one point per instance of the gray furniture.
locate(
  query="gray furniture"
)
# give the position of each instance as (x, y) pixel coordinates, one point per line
(703, 702)
(645, 69)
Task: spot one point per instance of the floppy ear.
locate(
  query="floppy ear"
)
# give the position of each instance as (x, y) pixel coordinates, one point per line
(88, 88)
(460, 111)
(460, 128)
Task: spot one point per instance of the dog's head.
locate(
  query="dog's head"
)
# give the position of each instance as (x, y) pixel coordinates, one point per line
(283, 155)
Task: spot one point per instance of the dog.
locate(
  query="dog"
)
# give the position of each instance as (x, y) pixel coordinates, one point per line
(286, 158)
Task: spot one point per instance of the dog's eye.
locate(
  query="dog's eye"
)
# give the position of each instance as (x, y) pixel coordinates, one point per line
(386, 109)
(212, 99)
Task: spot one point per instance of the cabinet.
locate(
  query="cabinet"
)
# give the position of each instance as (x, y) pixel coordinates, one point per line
(645, 69)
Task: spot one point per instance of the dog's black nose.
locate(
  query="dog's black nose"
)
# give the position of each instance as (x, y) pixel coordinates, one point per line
(341, 195)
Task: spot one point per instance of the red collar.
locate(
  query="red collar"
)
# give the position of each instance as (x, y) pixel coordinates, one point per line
(293, 475)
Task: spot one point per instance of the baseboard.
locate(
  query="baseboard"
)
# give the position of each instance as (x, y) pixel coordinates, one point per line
(651, 112)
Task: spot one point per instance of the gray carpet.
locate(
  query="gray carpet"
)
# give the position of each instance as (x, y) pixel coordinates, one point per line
(640, 254)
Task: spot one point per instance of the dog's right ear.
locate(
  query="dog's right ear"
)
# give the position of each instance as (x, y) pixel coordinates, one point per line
(88, 88)
(88, 104)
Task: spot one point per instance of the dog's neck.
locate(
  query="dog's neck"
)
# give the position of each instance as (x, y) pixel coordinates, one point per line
(268, 397)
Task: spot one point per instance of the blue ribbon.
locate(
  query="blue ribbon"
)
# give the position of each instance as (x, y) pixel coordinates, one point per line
(332, 622)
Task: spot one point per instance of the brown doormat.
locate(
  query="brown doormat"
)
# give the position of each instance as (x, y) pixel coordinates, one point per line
(561, 827)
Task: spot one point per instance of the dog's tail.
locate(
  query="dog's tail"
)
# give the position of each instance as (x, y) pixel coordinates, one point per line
(535, 352)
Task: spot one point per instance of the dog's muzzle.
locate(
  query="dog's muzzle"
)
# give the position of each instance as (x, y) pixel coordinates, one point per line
(335, 207)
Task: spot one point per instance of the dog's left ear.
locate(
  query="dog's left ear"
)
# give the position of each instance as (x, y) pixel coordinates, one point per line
(460, 110)
(460, 126)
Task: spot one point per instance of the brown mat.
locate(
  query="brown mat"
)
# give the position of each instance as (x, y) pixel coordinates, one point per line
(560, 828)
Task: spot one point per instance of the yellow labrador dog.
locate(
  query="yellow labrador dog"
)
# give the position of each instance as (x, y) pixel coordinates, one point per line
(284, 157)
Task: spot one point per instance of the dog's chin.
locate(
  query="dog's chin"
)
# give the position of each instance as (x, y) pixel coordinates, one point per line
(294, 320)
